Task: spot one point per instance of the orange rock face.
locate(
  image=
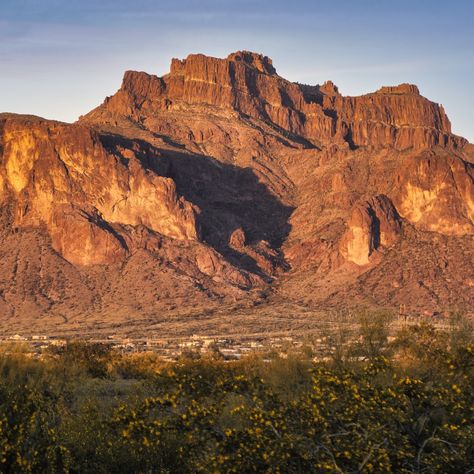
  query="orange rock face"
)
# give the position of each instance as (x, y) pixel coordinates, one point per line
(63, 177)
(237, 238)
(373, 224)
(222, 183)
(437, 194)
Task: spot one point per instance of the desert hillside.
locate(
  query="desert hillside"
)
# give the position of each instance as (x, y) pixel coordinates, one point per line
(221, 187)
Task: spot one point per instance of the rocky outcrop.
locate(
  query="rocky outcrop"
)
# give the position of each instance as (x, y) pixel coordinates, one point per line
(373, 224)
(400, 89)
(395, 116)
(436, 193)
(63, 177)
(83, 239)
(237, 238)
(210, 263)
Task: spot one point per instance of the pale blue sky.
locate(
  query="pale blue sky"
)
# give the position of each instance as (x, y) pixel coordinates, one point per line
(60, 58)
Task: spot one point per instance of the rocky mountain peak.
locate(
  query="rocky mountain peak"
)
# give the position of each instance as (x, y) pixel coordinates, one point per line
(258, 61)
(400, 89)
(329, 88)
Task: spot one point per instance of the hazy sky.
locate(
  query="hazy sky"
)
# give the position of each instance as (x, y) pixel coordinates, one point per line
(60, 58)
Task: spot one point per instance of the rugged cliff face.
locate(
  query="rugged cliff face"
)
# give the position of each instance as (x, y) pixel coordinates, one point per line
(373, 224)
(436, 193)
(63, 177)
(248, 83)
(222, 183)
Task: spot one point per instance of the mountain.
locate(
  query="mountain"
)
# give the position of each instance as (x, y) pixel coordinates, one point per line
(222, 185)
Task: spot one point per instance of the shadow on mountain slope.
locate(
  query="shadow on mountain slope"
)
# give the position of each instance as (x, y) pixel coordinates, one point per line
(229, 197)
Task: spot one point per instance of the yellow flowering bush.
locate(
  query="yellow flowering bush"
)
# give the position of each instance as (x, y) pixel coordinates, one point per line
(292, 415)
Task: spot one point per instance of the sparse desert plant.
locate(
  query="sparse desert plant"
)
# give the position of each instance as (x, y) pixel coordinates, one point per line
(373, 331)
(462, 330)
(137, 365)
(95, 359)
(340, 338)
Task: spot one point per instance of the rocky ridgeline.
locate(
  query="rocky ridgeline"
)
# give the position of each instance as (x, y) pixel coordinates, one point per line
(248, 83)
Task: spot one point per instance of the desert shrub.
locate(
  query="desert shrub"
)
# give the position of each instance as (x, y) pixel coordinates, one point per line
(31, 411)
(286, 376)
(138, 365)
(462, 331)
(93, 359)
(373, 331)
(336, 348)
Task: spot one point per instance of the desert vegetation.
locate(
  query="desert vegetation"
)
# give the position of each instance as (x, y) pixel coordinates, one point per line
(378, 403)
